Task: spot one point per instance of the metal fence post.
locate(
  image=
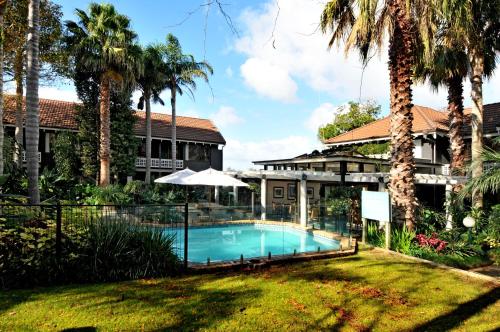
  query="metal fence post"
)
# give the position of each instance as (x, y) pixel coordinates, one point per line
(58, 230)
(186, 226)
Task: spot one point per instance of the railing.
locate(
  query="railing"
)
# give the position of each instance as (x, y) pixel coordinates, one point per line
(39, 156)
(158, 163)
(445, 170)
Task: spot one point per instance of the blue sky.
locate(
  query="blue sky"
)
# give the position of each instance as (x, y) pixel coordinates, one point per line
(274, 82)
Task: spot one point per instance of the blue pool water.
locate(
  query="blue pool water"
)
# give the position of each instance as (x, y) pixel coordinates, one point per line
(228, 242)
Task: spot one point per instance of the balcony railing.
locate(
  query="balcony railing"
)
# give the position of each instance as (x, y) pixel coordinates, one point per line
(158, 163)
(39, 157)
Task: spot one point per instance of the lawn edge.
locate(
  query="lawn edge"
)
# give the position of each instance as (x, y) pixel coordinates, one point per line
(471, 274)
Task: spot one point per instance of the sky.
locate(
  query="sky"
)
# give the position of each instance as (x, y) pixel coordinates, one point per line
(274, 83)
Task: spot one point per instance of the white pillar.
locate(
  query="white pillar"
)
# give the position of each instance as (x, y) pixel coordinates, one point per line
(381, 186)
(253, 204)
(303, 203)
(47, 142)
(216, 195)
(235, 194)
(186, 151)
(449, 217)
(263, 198)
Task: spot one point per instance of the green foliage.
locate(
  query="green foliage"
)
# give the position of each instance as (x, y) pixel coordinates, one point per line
(373, 148)
(124, 143)
(349, 117)
(119, 251)
(340, 198)
(65, 155)
(401, 239)
(375, 236)
(111, 194)
(430, 221)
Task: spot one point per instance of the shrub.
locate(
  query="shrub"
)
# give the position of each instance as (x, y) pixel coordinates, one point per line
(432, 242)
(430, 221)
(375, 236)
(401, 239)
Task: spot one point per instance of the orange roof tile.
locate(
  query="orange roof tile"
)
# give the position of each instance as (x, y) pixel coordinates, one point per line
(425, 119)
(62, 115)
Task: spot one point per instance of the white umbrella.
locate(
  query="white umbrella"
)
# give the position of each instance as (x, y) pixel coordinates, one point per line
(177, 177)
(212, 177)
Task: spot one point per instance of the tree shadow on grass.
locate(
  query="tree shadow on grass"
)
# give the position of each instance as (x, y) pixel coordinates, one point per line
(10, 299)
(463, 312)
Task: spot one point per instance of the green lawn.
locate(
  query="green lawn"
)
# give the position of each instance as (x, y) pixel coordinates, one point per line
(357, 293)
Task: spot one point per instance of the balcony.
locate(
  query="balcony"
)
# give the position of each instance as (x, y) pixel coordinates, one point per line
(158, 163)
(39, 157)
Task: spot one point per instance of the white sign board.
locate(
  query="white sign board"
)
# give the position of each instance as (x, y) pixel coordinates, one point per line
(375, 205)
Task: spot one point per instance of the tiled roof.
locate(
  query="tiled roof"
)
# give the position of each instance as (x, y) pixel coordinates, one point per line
(62, 115)
(53, 113)
(189, 129)
(425, 119)
(491, 119)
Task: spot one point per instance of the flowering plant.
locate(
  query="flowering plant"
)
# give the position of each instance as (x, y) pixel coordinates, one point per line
(433, 241)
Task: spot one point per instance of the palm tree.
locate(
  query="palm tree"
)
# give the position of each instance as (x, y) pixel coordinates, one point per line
(181, 71)
(32, 104)
(151, 83)
(448, 67)
(104, 43)
(3, 3)
(363, 25)
(476, 26)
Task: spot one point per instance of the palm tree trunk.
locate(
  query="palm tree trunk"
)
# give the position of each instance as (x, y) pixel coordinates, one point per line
(174, 127)
(2, 9)
(19, 136)
(32, 103)
(401, 59)
(476, 79)
(147, 97)
(104, 130)
(456, 120)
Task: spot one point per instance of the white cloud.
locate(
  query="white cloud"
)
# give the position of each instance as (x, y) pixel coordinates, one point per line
(226, 116)
(229, 72)
(323, 114)
(58, 94)
(239, 155)
(269, 80)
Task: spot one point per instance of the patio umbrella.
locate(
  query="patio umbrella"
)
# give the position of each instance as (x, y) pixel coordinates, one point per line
(212, 177)
(177, 177)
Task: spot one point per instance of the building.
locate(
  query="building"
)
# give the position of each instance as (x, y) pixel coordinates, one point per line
(302, 184)
(199, 142)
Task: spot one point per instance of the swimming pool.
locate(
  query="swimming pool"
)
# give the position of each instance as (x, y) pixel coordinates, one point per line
(229, 242)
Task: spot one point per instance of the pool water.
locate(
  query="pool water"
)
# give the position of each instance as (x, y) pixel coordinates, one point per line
(229, 242)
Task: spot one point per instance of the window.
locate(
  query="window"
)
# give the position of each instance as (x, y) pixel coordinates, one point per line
(352, 167)
(199, 152)
(333, 167)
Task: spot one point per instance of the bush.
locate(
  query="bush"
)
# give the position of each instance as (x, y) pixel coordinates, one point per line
(375, 236)
(401, 240)
(430, 221)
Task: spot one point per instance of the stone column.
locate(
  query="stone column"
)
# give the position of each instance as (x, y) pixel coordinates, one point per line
(263, 198)
(186, 151)
(303, 202)
(449, 217)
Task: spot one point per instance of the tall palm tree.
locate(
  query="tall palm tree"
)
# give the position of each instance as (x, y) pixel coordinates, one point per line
(151, 83)
(363, 25)
(3, 3)
(104, 43)
(475, 24)
(181, 71)
(32, 103)
(448, 67)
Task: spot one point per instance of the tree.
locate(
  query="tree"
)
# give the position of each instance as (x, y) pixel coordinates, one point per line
(52, 56)
(181, 71)
(475, 25)
(448, 66)
(151, 83)
(349, 117)
(104, 43)
(363, 25)
(3, 3)
(65, 156)
(32, 104)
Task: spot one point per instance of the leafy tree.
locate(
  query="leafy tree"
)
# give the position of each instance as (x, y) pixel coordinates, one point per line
(151, 83)
(103, 42)
(364, 25)
(65, 156)
(181, 70)
(52, 56)
(124, 144)
(3, 3)
(474, 25)
(32, 102)
(349, 117)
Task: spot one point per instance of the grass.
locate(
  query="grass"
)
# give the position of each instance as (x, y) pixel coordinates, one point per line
(370, 291)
